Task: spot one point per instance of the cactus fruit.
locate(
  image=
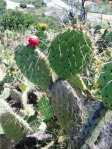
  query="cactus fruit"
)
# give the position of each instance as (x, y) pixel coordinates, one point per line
(43, 26)
(105, 82)
(33, 65)
(14, 126)
(33, 41)
(45, 108)
(70, 52)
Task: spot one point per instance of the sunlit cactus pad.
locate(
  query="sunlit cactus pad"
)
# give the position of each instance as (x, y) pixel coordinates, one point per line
(106, 84)
(33, 65)
(70, 52)
(14, 126)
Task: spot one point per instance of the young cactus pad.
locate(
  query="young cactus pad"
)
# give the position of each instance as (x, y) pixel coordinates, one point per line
(70, 52)
(45, 108)
(106, 84)
(14, 126)
(33, 65)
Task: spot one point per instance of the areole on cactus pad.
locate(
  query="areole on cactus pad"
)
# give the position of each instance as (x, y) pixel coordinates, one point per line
(105, 82)
(70, 52)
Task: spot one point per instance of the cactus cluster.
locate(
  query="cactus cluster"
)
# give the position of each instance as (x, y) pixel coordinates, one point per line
(68, 55)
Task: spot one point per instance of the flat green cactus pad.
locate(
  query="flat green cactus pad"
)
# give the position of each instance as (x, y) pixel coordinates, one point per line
(70, 52)
(14, 126)
(33, 65)
(45, 108)
(105, 82)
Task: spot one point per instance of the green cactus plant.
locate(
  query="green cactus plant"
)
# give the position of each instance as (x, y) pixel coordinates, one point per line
(74, 45)
(70, 52)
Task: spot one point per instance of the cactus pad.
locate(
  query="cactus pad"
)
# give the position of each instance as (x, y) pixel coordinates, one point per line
(14, 126)
(70, 52)
(106, 84)
(66, 107)
(33, 65)
(45, 108)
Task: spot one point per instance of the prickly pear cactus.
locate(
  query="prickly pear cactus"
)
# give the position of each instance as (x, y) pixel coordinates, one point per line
(105, 82)
(33, 65)
(70, 52)
(45, 108)
(14, 126)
